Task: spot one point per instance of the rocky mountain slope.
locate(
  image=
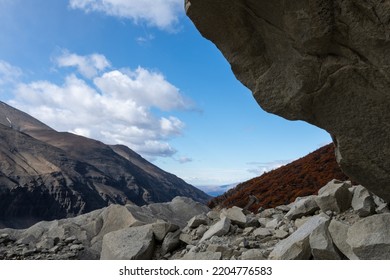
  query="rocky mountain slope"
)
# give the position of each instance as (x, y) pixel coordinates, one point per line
(342, 221)
(326, 62)
(283, 185)
(45, 174)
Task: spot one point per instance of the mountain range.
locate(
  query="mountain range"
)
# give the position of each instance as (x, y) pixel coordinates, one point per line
(46, 174)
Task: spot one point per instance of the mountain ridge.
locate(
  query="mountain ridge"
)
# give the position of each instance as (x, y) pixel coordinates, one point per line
(70, 174)
(302, 177)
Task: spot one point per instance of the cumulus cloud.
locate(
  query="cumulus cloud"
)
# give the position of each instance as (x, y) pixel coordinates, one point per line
(163, 14)
(8, 73)
(116, 107)
(89, 66)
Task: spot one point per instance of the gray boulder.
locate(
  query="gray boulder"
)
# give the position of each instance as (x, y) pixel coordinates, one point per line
(178, 211)
(339, 234)
(161, 229)
(334, 196)
(297, 245)
(220, 228)
(198, 220)
(325, 62)
(135, 243)
(170, 242)
(369, 238)
(235, 215)
(302, 207)
(363, 202)
(322, 245)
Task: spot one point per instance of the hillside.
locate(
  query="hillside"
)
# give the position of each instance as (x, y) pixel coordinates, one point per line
(302, 177)
(45, 174)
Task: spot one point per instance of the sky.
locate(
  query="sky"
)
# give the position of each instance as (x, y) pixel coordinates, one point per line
(138, 73)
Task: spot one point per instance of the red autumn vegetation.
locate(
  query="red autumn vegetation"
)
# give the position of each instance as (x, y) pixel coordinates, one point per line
(302, 177)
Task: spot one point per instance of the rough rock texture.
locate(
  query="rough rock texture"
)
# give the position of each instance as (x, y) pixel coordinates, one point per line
(338, 232)
(334, 196)
(135, 243)
(326, 62)
(363, 202)
(370, 237)
(297, 245)
(302, 207)
(321, 244)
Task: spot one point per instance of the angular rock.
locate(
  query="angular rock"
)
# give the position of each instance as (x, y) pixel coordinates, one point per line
(303, 207)
(321, 244)
(224, 249)
(178, 211)
(334, 196)
(220, 228)
(297, 245)
(369, 238)
(135, 243)
(263, 221)
(274, 223)
(161, 229)
(198, 220)
(170, 242)
(338, 232)
(188, 238)
(304, 60)
(301, 221)
(363, 202)
(283, 208)
(253, 254)
(235, 215)
(202, 256)
(262, 232)
(213, 215)
(200, 231)
(281, 234)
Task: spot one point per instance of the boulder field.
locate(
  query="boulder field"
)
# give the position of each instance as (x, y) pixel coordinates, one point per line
(343, 221)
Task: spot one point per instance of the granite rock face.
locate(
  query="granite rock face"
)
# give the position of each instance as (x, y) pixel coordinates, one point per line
(326, 62)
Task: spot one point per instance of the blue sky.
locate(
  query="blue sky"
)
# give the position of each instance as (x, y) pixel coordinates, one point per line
(137, 72)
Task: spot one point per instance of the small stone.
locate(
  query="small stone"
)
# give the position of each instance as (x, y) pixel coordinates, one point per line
(253, 254)
(70, 239)
(262, 232)
(55, 249)
(76, 247)
(274, 223)
(280, 234)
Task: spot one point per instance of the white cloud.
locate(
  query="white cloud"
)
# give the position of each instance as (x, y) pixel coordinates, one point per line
(163, 14)
(183, 160)
(116, 108)
(89, 66)
(146, 87)
(8, 73)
